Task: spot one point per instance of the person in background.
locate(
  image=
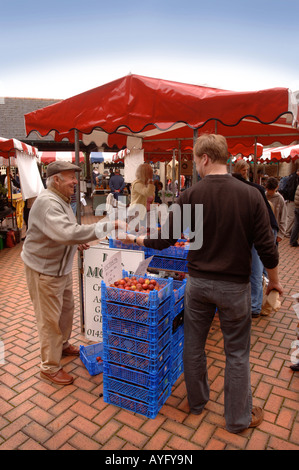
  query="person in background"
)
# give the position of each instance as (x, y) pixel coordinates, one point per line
(233, 215)
(74, 201)
(279, 207)
(105, 180)
(156, 176)
(158, 192)
(141, 189)
(295, 229)
(96, 177)
(117, 184)
(293, 182)
(52, 239)
(256, 279)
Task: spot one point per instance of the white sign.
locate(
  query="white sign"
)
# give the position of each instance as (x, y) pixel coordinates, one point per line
(142, 268)
(112, 268)
(94, 259)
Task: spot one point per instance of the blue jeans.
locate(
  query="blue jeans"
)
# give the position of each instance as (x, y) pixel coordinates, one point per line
(202, 297)
(256, 281)
(295, 230)
(74, 207)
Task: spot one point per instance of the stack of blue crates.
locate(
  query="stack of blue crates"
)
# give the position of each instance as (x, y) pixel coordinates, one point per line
(177, 367)
(137, 339)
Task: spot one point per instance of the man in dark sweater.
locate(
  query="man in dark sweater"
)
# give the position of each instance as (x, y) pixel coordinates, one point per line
(256, 278)
(117, 184)
(234, 217)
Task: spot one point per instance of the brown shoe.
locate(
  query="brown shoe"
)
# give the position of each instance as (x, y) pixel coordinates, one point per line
(71, 351)
(257, 417)
(60, 378)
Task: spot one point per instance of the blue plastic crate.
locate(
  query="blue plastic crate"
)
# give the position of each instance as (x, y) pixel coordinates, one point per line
(179, 289)
(170, 252)
(178, 339)
(151, 316)
(149, 349)
(118, 244)
(88, 355)
(176, 373)
(177, 359)
(149, 380)
(169, 264)
(145, 409)
(136, 330)
(130, 390)
(178, 307)
(135, 361)
(151, 299)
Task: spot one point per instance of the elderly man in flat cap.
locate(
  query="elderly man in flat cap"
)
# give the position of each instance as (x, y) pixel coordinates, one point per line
(48, 252)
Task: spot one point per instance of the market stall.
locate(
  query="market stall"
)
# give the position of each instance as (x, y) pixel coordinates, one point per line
(154, 115)
(24, 157)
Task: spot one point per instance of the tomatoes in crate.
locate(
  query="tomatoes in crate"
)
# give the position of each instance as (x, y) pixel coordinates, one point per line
(137, 284)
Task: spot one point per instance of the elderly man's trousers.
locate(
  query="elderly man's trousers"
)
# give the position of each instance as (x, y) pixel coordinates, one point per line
(53, 303)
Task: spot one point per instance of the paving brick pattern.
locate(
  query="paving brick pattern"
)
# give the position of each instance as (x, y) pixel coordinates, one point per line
(36, 415)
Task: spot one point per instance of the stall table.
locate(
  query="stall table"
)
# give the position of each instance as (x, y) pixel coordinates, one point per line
(99, 197)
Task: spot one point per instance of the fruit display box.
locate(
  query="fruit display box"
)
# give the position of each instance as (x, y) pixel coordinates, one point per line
(158, 291)
(144, 379)
(177, 346)
(92, 358)
(136, 330)
(179, 250)
(136, 392)
(147, 316)
(178, 339)
(169, 264)
(113, 243)
(179, 289)
(135, 361)
(148, 410)
(149, 349)
(176, 373)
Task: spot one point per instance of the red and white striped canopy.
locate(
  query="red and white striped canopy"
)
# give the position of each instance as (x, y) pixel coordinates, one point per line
(48, 157)
(281, 154)
(8, 148)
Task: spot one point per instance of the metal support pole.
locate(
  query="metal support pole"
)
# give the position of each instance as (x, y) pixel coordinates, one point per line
(194, 172)
(255, 161)
(180, 167)
(77, 161)
(80, 253)
(173, 175)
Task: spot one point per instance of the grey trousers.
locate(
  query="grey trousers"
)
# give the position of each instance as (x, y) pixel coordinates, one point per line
(233, 302)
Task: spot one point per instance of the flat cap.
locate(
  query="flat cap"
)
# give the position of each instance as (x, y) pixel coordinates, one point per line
(58, 166)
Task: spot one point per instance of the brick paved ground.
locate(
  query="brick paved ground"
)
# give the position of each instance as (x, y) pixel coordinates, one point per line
(37, 415)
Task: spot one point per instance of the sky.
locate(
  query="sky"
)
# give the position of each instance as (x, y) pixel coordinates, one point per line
(62, 48)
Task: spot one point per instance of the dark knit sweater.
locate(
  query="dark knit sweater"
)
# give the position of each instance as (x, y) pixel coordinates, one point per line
(234, 217)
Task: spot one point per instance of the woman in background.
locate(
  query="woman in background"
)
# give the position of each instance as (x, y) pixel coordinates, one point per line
(142, 189)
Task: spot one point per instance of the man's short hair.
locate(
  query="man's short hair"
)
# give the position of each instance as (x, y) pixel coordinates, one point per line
(272, 183)
(214, 145)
